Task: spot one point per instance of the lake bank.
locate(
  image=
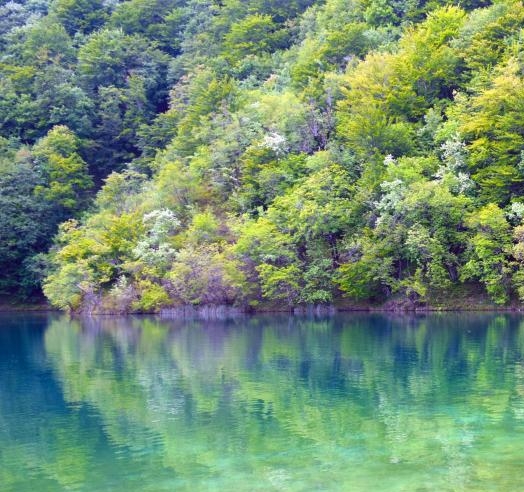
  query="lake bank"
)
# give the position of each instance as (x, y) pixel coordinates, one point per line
(459, 299)
(24, 307)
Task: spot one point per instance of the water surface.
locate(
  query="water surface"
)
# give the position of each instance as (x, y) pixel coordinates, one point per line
(347, 403)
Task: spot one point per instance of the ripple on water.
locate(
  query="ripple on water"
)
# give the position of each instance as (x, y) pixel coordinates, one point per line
(352, 403)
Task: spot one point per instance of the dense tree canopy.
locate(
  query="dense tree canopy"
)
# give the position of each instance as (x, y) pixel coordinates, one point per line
(197, 151)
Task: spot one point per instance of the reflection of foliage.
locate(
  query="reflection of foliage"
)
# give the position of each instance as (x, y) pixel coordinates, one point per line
(199, 398)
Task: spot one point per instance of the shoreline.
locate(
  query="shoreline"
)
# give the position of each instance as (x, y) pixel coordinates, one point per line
(27, 308)
(212, 311)
(465, 299)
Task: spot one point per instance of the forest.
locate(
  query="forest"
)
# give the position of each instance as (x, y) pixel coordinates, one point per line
(252, 153)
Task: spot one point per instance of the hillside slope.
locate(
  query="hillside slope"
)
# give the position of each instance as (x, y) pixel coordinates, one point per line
(243, 153)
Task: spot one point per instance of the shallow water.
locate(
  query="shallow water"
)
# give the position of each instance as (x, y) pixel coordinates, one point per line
(347, 403)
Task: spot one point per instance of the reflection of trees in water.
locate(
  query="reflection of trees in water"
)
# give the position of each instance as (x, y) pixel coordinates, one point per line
(360, 391)
(31, 412)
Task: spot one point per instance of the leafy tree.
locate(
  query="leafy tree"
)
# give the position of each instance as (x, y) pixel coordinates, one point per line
(162, 21)
(82, 16)
(491, 123)
(26, 228)
(64, 171)
(254, 34)
(206, 274)
(109, 56)
(489, 250)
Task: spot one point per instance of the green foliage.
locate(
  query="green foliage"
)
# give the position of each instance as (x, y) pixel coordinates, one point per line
(280, 282)
(249, 151)
(206, 274)
(488, 33)
(254, 34)
(489, 250)
(152, 297)
(66, 288)
(158, 20)
(106, 52)
(26, 227)
(491, 123)
(518, 255)
(64, 171)
(79, 15)
(366, 278)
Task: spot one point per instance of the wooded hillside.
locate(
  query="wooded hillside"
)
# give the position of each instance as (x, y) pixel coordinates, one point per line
(243, 152)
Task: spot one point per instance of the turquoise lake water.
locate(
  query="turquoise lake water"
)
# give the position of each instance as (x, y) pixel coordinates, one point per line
(274, 403)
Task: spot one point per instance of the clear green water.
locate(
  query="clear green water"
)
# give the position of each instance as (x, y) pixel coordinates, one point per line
(349, 403)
